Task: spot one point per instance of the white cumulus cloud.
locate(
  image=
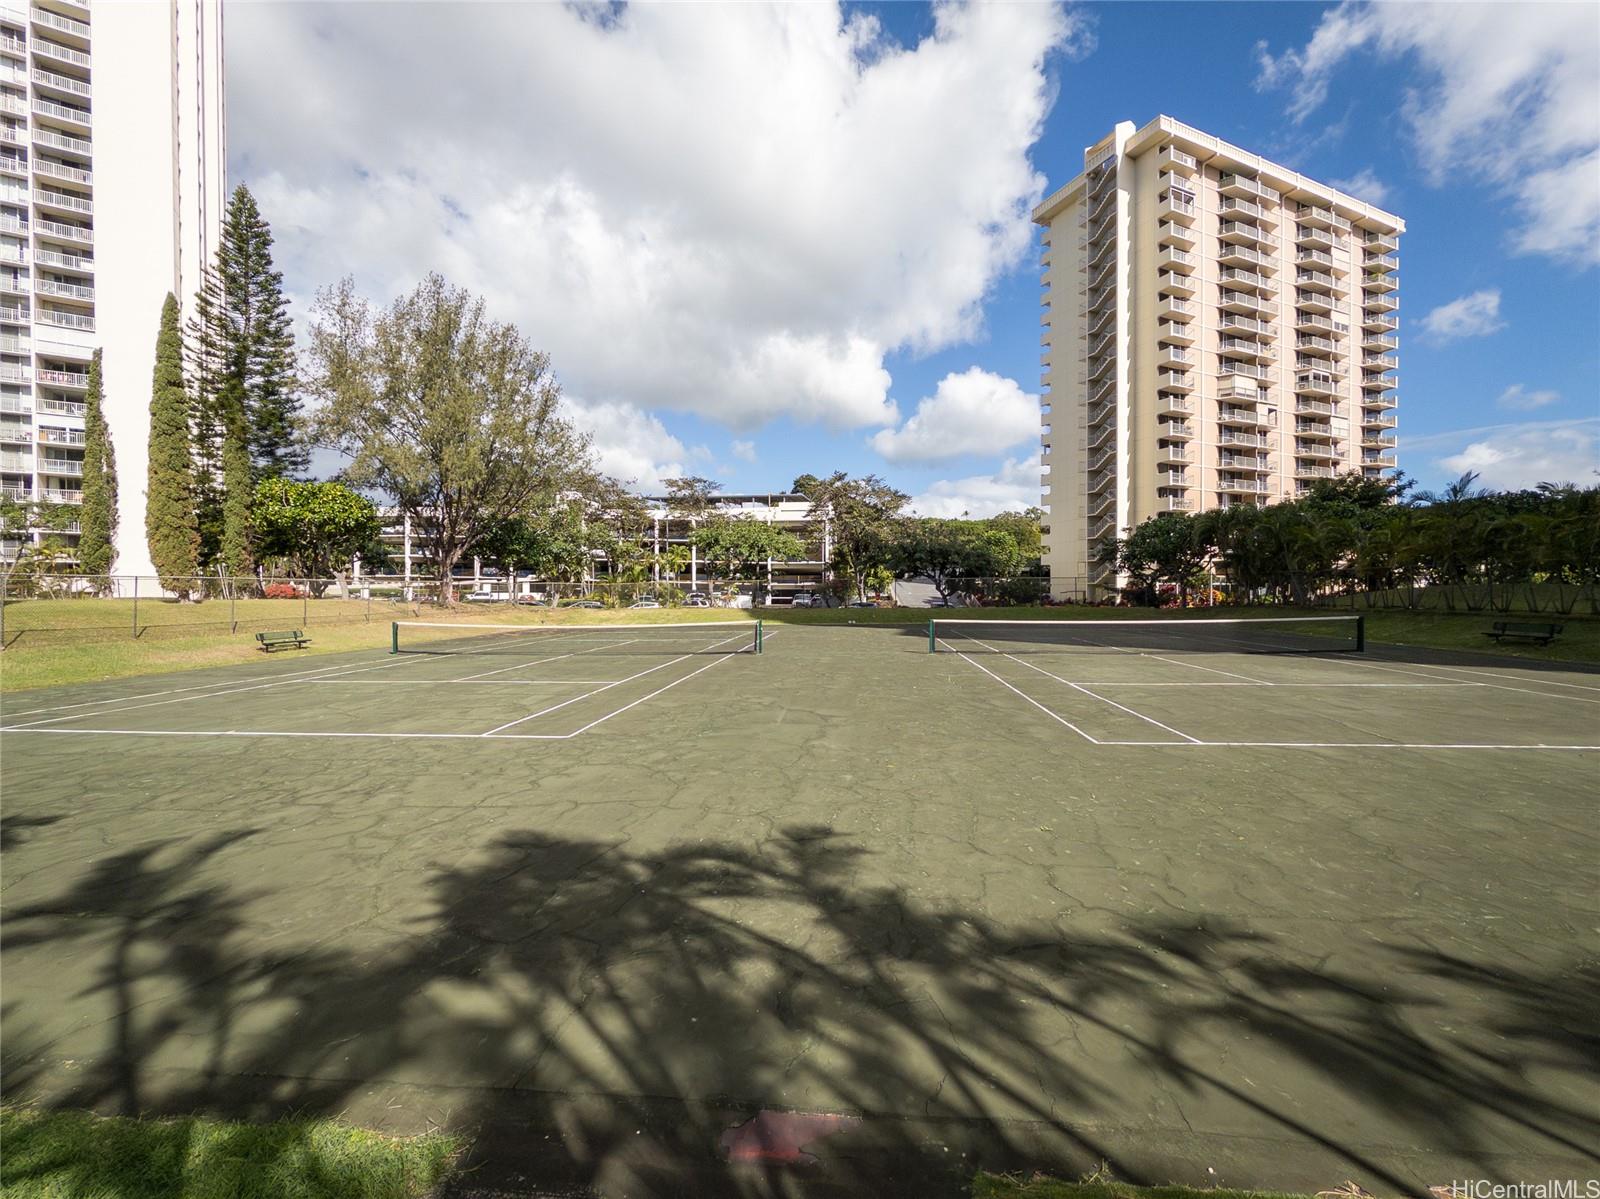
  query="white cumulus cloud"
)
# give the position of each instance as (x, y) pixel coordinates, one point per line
(1519, 397)
(975, 412)
(1510, 457)
(734, 210)
(1508, 94)
(1365, 185)
(1474, 315)
(630, 444)
(745, 451)
(1012, 488)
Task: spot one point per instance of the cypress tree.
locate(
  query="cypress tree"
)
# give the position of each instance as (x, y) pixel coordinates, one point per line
(236, 536)
(97, 543)
(207, 361)
(171, 528)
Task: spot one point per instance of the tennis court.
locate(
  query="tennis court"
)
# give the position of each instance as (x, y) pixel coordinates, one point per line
(1213, 904)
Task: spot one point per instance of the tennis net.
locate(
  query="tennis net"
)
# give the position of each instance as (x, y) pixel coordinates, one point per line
(523, 640)
(1263, 635)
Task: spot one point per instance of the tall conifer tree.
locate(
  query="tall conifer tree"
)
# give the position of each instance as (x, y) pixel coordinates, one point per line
(171, 528)
(97, 543)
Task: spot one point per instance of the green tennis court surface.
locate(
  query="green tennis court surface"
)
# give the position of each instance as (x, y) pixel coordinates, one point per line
(1212, 910)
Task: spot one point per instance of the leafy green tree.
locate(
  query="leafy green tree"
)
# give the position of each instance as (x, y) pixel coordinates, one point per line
(235, 550)
(1169, 548)
(860, 519)
(739, 547)
(98, 516)
(314, 529)
(171, 527)
(453, 415)
(945, 551)
(691, 497)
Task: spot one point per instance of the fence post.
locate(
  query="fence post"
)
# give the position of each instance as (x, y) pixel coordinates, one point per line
(305, 603)
(233, 619)
(136, 607)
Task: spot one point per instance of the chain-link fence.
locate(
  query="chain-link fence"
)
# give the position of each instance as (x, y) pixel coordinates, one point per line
(1560, 599)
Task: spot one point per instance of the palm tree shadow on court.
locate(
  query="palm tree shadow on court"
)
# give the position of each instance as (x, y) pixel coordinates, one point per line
(598, 1017)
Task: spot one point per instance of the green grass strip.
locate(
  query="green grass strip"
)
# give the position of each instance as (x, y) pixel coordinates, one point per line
(61, 1154)
(1039, 1186)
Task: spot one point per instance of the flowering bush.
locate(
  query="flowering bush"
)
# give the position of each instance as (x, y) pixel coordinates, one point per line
(282, 591)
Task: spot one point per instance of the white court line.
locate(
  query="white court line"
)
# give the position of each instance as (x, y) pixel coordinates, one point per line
(1077, 687)
(248, 733)
(161, 703)
(1468, 669)
(120, 699)
(1025, 695)
(1314, 686)
(607, 687)
(652, 695)
(541, 661)
(1212, 669)
(1343, 745)
(476, 682)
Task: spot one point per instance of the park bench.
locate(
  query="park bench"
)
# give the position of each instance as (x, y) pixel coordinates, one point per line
(283, 639)
(1544, 634)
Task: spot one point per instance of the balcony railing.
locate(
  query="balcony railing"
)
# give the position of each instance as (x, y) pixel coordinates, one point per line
(1246, 229)
(1244, 277)
(57, 199)
(1247, 393)
(60, 170)
(16, 463)
(1309, 342)
(45, 48)
(61, 437)
(65, 320)
(62, 407)
(1243, 183)
(60, 495)
(70, 468)
(62, 378)
(68, 291)
(62, 141)
(1240, 416)
(61, 112)
(1326, 409)
(12, 373)
(64, 231)
(72, 262)
(1171, 156)
(65, 83)
(1233, 206)
(1250, 485)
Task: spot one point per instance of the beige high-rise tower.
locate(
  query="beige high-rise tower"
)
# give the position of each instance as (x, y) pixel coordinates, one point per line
(1218, 330)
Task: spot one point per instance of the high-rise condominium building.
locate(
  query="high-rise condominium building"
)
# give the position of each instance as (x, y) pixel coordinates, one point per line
(1218, 330)
(112, 172)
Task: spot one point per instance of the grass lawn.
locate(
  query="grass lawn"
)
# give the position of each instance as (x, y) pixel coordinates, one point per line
(59, 642)
(57, 1155)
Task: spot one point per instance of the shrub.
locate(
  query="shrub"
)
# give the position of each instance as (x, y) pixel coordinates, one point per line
(282, 591)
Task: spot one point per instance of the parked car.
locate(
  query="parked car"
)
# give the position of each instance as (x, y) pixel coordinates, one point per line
(803, 599)
(644, 603)
(583, 604)
(532, 601)
(481, 597)
(861, 604)
(696, 600)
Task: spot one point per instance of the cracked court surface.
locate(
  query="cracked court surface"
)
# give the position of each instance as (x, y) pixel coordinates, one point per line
(1288, 919)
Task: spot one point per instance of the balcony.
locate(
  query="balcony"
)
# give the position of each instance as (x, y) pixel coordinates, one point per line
(1314, 258)
(1314, 428)
(1379, 304)
(1322, 450)
(60, 495)
(65, 320)
(1310, 344)
(1379, 382)
(1236, 437)
(62, 141)
(1171, 306)
(51, 436)
(61, 83)
(1379, 241)
(1305, 470)
(1320, 216)
(1378, 440)
(1251, 370)
(1244, 187)
(1378, 284)
(66, 291)
(1377, 342)
(1234, 208)
(1170, 233)
(14, 164)
(1380, 262)
(1319, 281)
(1175, 160)
(11, 372)
(1238, 322)
(60, 199)
(1246, 231)
(1379, 402)
(67, 468)
(1240, 391)
(10, 44)
(1178, 430)
(1375, 322)
(1386, 461)
(71, 262)
(1251, 462)
(1235, 255)
(17, 463)
(1380, 362)
(12, 434)
(68, 379)
(1177, 332)
(1172, 453)
(12, 224)
(14, 287)
(1316, 383)
(1310, 237)
(1229, 415)
(67, 114)
(1181, 260)
(1178, 284)
(83, 234)
(60, 24)
(60, 170)
(1174, 503)
(1169, 355)
(1172, 477)
(1178, 206)
(1244, 347)
(1175, 380)
(1173, 405)
(56, 52)
(1314, 301)
(1371, 421)
(1243, 300)
(1304, 406)
(17, 493)
(1235, 276)
(1242, 486)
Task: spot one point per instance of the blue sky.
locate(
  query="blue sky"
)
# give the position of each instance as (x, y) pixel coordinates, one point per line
(755, 302)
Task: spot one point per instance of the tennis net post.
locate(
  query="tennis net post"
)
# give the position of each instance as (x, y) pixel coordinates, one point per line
(758, 635)
(933, 638)
(1361, 634)
(394, 636)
